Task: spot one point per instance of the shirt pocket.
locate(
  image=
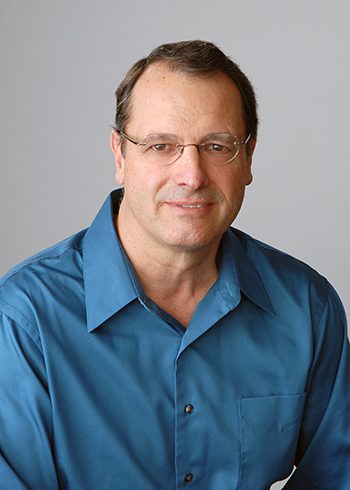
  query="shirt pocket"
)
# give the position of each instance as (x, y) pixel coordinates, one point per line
(269, 435)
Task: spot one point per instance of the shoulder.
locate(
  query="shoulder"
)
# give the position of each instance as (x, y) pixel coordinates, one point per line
(38, 277)
(264, 254)
(287, 280)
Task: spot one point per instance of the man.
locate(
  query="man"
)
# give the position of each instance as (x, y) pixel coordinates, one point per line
(160, 348)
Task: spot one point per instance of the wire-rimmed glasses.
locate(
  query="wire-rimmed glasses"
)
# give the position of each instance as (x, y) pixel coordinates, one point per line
(163, 149)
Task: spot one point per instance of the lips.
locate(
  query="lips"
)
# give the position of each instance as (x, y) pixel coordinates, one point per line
(189, 206)
(195, 206)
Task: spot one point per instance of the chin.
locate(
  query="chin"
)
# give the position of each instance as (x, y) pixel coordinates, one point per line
(191, 241)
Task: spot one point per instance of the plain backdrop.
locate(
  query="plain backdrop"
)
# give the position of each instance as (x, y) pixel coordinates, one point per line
(61, 62)
(60, 65)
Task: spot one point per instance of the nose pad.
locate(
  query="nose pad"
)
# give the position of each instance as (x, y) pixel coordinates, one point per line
(190, 144)
(181, 149)
(191, 173)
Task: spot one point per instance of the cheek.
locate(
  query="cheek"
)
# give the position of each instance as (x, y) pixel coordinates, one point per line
(141, 181)
(232, 183)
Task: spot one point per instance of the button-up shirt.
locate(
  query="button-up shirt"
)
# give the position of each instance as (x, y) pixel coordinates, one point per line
(101, 389)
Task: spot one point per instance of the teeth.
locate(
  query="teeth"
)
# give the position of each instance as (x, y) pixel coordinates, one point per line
(192, 205)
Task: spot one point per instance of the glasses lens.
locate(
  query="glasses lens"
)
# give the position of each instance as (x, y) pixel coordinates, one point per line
(217, 149)
(220, 150)
(160, 151)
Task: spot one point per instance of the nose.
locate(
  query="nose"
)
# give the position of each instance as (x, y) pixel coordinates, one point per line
(189, 169)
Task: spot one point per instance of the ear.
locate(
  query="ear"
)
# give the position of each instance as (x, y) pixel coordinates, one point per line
(249, 159)
(116, 147)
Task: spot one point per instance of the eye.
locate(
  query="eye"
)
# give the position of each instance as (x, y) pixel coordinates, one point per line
(162, 147)
(159, 147)
(216, 148)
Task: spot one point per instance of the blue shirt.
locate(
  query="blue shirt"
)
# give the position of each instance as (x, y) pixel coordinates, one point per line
(101, 389)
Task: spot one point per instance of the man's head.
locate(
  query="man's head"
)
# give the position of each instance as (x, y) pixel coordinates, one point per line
(194, 58)
(176, 101)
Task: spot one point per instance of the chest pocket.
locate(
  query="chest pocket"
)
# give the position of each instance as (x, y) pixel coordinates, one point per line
(269, 435)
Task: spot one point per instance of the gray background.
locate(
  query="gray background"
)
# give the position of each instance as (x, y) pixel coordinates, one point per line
(61, 62)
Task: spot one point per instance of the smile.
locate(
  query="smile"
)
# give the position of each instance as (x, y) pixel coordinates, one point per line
(189, 207)
(192, 205)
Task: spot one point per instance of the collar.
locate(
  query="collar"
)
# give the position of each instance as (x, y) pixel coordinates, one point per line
(238, 272)
(110, 284)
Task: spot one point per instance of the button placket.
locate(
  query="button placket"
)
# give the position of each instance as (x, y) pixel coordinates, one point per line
(185, 451)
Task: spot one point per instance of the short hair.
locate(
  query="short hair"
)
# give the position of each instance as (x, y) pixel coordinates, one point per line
(195, 58)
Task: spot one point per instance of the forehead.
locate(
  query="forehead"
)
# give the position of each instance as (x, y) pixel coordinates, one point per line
(175, 98)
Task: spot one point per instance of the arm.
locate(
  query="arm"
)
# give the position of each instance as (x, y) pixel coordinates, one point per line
(323, 458)
(26, 460)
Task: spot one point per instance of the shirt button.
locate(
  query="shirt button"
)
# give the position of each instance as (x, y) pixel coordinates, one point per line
(189, 409)
(188, 477)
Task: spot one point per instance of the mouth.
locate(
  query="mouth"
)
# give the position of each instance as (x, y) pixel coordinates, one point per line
(192, 206)
(189, 204)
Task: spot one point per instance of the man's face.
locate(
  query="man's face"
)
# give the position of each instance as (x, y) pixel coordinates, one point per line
(187, 204)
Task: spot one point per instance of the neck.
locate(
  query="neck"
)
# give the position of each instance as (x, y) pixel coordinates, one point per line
(170, 276)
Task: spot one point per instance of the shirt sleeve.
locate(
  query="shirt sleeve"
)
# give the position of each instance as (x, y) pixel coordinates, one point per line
(26, 459)
(323, 457)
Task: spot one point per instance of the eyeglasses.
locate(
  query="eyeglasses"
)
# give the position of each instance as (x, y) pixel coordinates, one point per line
(162, 149)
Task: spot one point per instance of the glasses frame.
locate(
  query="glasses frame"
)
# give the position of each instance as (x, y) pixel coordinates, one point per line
(198, 146)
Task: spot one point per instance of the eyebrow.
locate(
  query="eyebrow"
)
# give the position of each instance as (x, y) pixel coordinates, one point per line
(161, 136)
(165, 136)
(224, 136)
